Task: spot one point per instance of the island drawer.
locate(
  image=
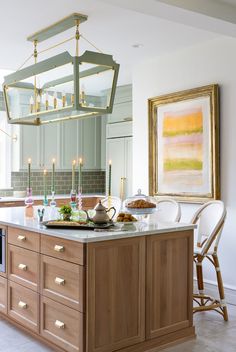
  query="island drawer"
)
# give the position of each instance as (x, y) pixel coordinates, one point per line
(61, 325)
(23, 267)
(3, 295)
(62, 281)
(23, 306)
(24, 239)
(70, 251)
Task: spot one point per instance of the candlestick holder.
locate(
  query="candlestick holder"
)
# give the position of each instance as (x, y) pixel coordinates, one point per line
(53, 203)
(80, 199)
(29, 211)
(45, 200)
(73, 200)
(29, 200)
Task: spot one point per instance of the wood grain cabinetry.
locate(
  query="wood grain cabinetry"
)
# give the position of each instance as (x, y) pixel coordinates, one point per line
(88, 202)
(63, 282)
(128, 295)
(3, 295)
(116, 299)
(62, 325)
(23, 267)
(63, 249)
(169, 283)
(23, 305)
(25, 239)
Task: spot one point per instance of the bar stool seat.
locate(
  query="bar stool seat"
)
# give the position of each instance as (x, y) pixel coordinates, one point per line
(210, 219)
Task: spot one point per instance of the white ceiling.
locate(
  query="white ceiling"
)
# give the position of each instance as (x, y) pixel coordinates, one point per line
(216, 16)
(114, 29)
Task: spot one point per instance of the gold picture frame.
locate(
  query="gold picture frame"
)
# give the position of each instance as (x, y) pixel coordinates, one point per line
(184, 145)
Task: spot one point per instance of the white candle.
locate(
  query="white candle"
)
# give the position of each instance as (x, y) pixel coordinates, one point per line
(31, 105)
(55, 100)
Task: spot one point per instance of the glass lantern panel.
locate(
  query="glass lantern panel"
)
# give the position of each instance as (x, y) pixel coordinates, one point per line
(95, 88)
(54, 91)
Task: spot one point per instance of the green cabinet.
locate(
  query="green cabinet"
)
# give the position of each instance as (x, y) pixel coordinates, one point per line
(65, 141)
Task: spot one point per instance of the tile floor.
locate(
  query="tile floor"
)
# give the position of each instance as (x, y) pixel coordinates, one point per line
(213, 335)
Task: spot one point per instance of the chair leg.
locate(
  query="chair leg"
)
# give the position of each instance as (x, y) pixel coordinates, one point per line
(200, 279)
(220, 286)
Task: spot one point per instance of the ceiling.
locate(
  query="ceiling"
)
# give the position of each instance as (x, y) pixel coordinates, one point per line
(113, 25)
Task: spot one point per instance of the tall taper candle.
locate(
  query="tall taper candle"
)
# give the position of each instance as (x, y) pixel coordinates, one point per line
(73, 175)
(53, 174)
(80, 173)
(109, 179)
(29, 173)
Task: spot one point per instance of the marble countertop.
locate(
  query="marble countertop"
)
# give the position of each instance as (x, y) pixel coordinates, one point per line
(40, 197)
(15, 216)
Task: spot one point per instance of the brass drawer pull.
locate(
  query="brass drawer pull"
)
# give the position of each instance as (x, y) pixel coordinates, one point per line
(59, 324)
(58, 248)
(21, 238)
(22, 305)
(59, 281)
(22, 267)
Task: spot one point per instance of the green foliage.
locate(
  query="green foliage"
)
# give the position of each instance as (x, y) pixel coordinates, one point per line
(65, 210)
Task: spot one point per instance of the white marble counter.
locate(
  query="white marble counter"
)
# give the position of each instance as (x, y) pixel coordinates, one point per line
(15, 217)
(40, 197)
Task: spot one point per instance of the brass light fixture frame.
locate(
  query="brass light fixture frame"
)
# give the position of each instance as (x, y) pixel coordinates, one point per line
(102, 63)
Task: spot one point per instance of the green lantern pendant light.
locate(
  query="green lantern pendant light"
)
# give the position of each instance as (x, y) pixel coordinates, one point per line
(62, 87)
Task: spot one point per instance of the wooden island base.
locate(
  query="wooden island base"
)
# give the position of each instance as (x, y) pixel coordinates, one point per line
(128, 294)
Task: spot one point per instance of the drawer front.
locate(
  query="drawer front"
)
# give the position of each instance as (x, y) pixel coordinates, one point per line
(70, 251)
(3, 295)
(24, 239)
(23, 267)
(61, 325)
(23, 306)
(62, 281)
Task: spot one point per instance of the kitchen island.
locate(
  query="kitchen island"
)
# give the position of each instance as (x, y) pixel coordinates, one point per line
(103, 291)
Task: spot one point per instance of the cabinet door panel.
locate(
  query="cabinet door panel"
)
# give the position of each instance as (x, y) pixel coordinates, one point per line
(169, 283)
(50, 145)
(69, 143)
(30, 146)
(91, 143)
(3, 295)
(116, 300)
(116, 153)
(121, 112)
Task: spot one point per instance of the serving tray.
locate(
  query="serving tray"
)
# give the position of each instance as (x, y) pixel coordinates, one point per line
(90, 226)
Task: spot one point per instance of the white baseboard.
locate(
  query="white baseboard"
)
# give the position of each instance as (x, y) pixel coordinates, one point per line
(212, 289)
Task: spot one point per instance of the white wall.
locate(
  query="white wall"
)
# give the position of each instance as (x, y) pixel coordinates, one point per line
(207, 63)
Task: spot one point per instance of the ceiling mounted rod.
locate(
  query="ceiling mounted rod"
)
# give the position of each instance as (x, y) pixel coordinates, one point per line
(57, 27)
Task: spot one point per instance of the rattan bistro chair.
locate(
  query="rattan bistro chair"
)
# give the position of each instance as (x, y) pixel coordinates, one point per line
(210, 219)
(168, 210)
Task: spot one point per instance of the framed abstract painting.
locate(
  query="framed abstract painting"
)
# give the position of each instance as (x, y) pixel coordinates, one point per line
(184, 145)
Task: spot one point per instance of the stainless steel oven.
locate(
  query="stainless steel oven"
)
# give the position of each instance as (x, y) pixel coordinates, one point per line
(2, 250)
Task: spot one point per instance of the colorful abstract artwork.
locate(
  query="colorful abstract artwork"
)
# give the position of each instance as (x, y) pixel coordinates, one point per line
(183, 146)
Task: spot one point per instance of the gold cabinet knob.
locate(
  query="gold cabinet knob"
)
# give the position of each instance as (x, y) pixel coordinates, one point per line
(21, 238)
(22, 305)
(59, 281)
(59, 324)
(58, 248)
(22, 267)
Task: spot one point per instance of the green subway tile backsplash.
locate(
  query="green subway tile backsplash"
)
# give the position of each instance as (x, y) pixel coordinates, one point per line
(92, 182)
